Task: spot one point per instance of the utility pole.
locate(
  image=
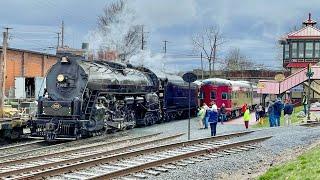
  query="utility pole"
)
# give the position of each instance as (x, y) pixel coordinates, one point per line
(165, 46)
(142, 38)
(7, 31)
(201, 66)
(62, 34)
(3, 70)
(58, 43)
(214, 53)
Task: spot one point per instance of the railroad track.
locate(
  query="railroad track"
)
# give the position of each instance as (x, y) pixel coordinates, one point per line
(21, 157)
(52, 159)
(6, 149)
(56, 164)
(311, 124)
(45, 150)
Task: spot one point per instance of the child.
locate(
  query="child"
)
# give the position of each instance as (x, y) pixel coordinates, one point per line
(246, 118)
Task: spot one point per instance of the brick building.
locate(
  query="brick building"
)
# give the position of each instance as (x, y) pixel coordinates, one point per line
(25, 71)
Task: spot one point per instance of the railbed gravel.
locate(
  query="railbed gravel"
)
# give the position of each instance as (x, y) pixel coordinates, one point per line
(285, 144)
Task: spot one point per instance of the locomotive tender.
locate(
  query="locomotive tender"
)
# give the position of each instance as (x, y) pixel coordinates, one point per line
(83, 98)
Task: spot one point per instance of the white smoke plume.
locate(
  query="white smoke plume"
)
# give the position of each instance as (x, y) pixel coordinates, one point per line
(113, 36)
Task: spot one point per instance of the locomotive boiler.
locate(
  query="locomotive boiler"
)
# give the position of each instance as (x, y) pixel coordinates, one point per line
(83, 98)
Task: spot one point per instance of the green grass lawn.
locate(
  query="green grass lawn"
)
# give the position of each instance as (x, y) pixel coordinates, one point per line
(294, 119)
(306, 166)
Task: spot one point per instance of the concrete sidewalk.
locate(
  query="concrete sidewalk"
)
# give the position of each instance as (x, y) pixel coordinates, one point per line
(239, 120)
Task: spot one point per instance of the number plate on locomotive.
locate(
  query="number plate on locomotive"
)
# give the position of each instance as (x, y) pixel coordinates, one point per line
(62, 85)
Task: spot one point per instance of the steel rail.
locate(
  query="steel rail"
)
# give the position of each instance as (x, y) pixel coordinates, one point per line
(80, 163)
(82, 158)
(32, 158)
(155, 163)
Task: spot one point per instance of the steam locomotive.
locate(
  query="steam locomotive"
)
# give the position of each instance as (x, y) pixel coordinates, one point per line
(84, 98)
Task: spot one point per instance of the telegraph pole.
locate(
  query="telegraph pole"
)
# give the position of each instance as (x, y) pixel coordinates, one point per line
(62, 34)
(3, 69)
(142, 38)
(201, 65)
(165, 46)
(58, 43)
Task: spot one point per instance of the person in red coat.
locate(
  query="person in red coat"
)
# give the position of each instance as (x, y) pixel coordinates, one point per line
(244, 108)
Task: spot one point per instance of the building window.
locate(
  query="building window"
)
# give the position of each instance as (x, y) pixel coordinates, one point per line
(301, 50)
(286, 51)
(309, 50)
(213, 95)
(317, 49)
(294, 50)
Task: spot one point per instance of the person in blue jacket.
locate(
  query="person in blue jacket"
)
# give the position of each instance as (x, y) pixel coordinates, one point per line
(277, 109)
(213, 120)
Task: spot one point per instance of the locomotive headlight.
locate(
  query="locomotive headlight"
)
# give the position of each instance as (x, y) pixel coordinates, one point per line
(60, 77)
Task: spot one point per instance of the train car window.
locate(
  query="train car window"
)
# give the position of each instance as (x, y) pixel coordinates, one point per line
(229, 96)
(224, 96)
(213, 95)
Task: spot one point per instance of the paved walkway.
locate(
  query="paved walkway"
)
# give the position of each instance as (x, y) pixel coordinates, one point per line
(239, 120)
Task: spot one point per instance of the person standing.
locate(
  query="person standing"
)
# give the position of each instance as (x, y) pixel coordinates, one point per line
(206, 116)
(201, 115)
(244, 108)
(222, 113)
(277, 109)
(270, 113)
(213, 120)
(257, 113)
(304, 103)
(246, 118)
(261, 114)
(287, 111)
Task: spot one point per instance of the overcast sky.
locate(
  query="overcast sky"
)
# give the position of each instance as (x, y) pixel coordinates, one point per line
(250, 25)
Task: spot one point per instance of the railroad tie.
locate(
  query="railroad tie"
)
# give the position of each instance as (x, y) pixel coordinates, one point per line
(179, 164)
(140, 175)
(210, 156)
(236, 149)
(230, 151)
(196, 159)
(168, 166)
(188, 161)
(243, 148)
(203, 158)
(249, 146)
(161, 169)
(70, 176)
(152, 172)
(112, 167)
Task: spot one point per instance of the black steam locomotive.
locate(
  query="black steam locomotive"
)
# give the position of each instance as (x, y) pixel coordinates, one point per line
(84, 98)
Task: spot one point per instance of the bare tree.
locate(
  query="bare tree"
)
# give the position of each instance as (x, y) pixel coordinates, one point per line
(117, 26)
(208, 42)
(235, 60)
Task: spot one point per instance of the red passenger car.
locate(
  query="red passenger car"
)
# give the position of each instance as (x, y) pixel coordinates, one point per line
(231, 93)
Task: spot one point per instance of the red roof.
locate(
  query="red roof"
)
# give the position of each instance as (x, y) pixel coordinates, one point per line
(305, 33)
(298, 64)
